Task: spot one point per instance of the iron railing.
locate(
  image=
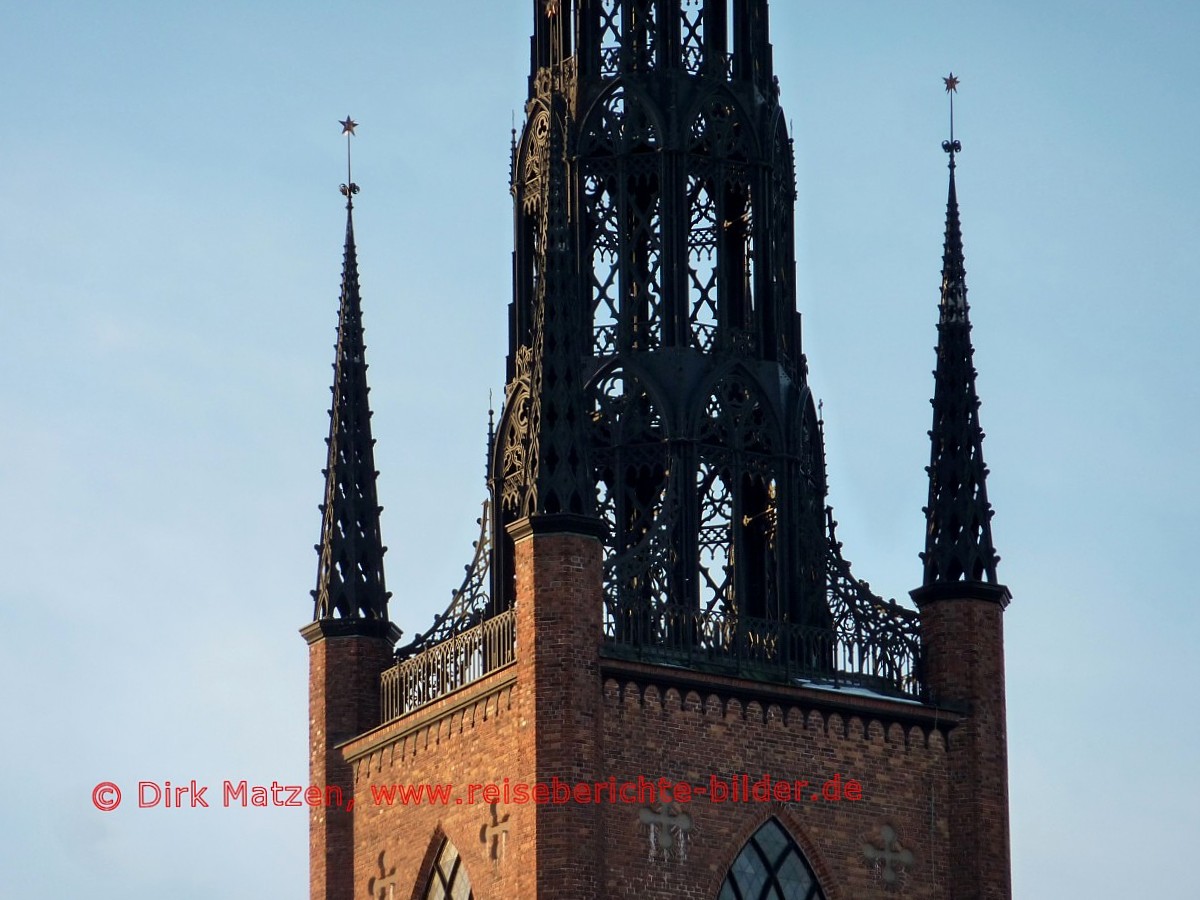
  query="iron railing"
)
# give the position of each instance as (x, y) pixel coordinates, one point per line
(762, 649)
(449, 665)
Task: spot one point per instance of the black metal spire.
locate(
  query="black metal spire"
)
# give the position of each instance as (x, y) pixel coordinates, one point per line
(350, 582)
(655, 377)
(958, 541)
(656, 391)
(562, 483)
(542, 470)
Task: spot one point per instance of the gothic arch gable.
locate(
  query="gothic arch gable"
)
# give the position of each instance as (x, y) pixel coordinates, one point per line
(720, 97)
(641, 121)
(736, 373)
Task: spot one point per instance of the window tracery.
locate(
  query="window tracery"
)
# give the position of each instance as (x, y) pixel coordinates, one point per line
(448, 880)
(770, 867)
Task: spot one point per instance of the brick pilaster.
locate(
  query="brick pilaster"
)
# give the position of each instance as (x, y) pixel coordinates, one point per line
(345, 661)
(558, 607)
(962, 628)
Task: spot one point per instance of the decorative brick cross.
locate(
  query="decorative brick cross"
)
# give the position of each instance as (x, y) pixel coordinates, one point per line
(376, 887)
(496, 834)
(890, 861)
(668, 824)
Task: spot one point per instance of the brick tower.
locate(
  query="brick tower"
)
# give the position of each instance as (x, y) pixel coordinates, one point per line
(660, 677)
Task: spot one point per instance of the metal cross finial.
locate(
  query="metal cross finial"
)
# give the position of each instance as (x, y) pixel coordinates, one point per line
(951, 146)
(349, 189)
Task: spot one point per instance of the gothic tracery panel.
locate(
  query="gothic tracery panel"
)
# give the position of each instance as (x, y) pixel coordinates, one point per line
(634, 503)
(715, 541)
(611, 30)
(702, 262)
(622, 196)
(643, 33)
(692, 25)
(605, 246)
(718, 130)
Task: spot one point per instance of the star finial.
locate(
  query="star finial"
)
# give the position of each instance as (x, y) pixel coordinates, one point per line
(951, 146)
(349, 189)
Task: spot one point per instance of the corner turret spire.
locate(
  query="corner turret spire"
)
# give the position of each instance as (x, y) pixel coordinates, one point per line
(350, 582)
(958, 540)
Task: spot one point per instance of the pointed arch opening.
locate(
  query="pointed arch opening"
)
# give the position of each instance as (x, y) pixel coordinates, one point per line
(449, 879)
(737, 513)
(634, 502)
(771, 866)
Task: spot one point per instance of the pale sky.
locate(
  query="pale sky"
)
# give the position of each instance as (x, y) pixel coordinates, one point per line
(170, 253)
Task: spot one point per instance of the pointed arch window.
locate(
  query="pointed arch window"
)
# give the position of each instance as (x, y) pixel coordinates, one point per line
(771, 867)
(448, 880)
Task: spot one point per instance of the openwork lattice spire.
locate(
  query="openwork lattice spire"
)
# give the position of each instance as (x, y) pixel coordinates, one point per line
(350, 583)
(655, 377)
(958, 541)
(657, 395)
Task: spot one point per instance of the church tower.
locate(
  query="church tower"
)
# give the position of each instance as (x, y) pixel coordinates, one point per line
(660, 677)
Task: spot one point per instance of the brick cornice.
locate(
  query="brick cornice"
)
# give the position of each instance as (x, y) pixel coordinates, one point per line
(482, 691)
(905, 713)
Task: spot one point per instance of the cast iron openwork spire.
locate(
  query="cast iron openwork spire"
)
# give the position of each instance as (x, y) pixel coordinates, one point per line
(656, 389)
(350, 582)
(958, 541)
(654, 312)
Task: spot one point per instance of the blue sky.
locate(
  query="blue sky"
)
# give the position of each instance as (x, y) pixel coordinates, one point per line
(170, 248)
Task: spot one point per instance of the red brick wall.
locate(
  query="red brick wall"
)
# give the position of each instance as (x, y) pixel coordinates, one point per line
(964, 641)
(484, 734)
(471, 736)
(343, 692)
(688, 738)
